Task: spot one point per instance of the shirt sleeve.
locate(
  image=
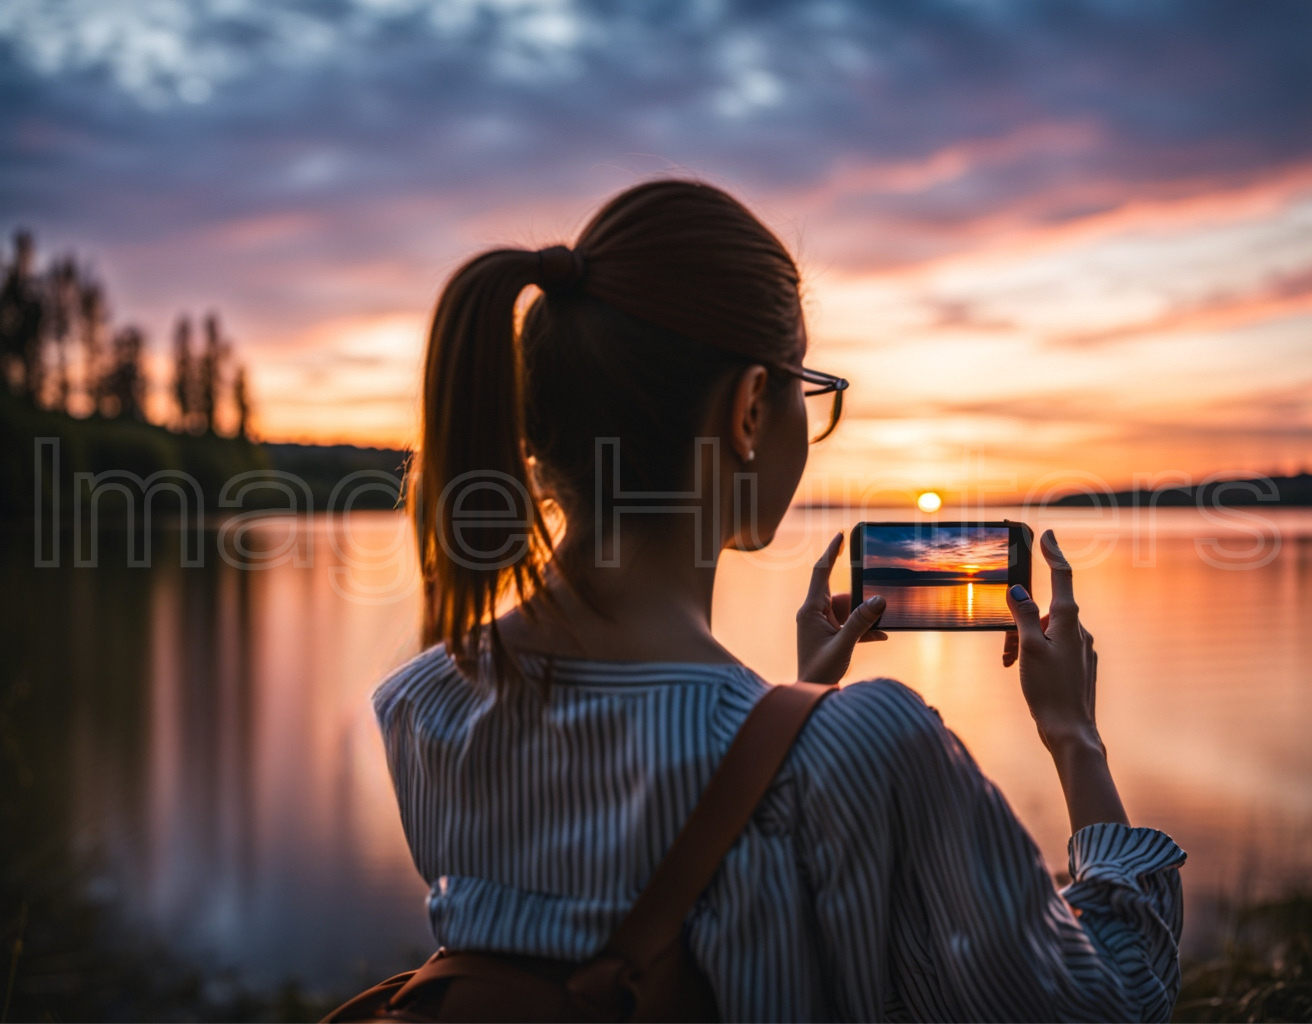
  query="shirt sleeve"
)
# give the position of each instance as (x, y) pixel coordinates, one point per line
(933, 902)
(406, 697)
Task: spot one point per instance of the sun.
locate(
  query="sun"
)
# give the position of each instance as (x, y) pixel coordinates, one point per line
(929, 502)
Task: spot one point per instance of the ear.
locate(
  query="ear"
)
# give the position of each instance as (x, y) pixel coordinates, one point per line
(747, 410)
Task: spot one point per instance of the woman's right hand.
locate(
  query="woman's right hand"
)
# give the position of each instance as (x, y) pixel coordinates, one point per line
(1058, 675)
(1058, 665)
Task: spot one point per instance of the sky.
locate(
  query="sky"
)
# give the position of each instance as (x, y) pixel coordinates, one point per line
(946, 550)
(1051, 245)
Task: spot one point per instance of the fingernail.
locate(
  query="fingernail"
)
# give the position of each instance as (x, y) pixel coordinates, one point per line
(1018, 593)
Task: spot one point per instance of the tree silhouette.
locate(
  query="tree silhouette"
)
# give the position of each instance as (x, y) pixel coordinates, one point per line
(184, 373)
(61, 294)
(21, 316)
(126, 384)
(241, 398)
(92, 314)
(210, 374)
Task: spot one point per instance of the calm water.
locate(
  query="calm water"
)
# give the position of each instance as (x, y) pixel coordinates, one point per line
(202, 736)
(941, 605)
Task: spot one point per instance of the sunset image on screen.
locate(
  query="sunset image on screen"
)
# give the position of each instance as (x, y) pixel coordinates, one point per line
(937, 576)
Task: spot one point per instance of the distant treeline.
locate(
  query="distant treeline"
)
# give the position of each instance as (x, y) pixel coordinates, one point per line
(59, 352)
(890, 574)
(338, 474)
(41, 451)
(74, 400)
(1273, 490)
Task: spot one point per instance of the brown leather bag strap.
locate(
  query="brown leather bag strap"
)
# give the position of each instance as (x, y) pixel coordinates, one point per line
(730, 799)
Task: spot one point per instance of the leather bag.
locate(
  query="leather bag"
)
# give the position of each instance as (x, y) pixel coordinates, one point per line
(646, 971)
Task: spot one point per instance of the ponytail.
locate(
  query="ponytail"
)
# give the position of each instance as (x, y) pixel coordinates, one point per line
(477, 513)
(670, 287)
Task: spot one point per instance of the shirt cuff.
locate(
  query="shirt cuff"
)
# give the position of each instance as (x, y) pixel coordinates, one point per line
(1111, 853)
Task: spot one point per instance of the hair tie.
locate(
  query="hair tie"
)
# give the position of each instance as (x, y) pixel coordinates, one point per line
(559, 268)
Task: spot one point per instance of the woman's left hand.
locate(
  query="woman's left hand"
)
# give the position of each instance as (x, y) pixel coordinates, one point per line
(828, 629)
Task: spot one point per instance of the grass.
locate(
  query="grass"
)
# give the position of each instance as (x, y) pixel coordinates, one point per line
(67, 959)
(68, 967)
(1263, 971)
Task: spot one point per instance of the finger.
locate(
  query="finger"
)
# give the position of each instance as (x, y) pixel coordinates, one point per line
(863, 616)
(872, 635)
(1010, 648)
(818, 593)
(1026, 614)
(1063, 605)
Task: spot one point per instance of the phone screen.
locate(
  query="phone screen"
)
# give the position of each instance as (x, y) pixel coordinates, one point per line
(942, 575)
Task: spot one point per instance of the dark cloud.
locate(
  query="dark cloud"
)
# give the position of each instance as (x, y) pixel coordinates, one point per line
(197, 115)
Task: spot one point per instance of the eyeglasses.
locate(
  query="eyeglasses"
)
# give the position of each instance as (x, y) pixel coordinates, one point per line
(824, 401)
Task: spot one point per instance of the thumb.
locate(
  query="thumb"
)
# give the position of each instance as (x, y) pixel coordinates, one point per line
(1026, 614)
(863, 617)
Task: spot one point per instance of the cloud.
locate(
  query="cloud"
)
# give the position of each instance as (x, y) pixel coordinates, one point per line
(1110, 427)
(306, 100)
(300, 162)
(1284, 295)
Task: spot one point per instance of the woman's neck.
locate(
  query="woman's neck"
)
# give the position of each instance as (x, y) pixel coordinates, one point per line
(653, 604)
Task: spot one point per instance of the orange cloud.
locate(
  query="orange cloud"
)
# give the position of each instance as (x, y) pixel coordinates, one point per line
(1285, 296)
(1027, 227)
(944, 165)
(262, 230)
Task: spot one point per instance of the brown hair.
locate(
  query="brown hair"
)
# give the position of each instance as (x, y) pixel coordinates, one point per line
(671, 286)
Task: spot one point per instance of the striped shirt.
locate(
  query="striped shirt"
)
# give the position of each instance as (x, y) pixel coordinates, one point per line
(882, 876)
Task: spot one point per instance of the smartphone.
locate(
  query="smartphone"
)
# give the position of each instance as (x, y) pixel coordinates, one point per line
(941, 575)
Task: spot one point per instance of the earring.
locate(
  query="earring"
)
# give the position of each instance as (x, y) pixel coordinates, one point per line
(751, 454)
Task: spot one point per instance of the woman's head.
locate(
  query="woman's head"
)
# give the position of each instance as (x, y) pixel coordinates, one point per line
(675, 316)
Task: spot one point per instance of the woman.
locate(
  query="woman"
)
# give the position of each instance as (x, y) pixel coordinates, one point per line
(578, 479)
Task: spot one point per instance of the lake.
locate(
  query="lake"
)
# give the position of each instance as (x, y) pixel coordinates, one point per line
(199, 740)
(941, 605)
